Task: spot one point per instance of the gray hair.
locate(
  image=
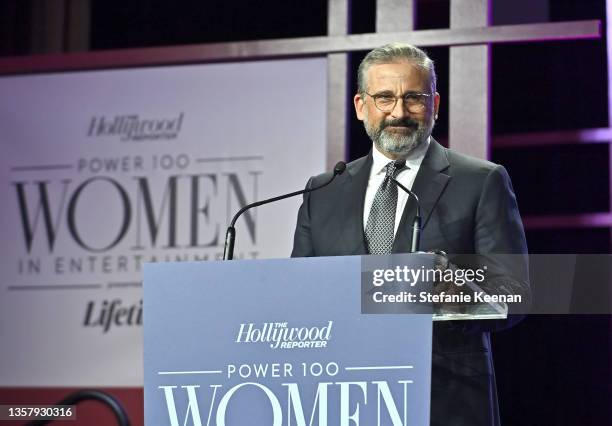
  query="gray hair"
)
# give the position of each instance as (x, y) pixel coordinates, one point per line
(393, 53)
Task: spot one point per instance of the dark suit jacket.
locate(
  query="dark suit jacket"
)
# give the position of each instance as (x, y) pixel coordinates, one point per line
(467, 206)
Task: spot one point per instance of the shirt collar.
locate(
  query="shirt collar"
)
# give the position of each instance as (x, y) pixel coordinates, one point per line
(413, 161)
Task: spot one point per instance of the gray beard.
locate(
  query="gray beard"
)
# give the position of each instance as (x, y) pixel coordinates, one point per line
(400, 145)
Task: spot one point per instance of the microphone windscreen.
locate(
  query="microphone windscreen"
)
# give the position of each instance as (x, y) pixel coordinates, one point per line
(339, 168)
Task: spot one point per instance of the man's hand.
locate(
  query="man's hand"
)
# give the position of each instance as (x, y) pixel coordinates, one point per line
(445, 284)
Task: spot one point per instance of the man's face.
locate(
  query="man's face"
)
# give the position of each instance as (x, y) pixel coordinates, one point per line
(399, 131)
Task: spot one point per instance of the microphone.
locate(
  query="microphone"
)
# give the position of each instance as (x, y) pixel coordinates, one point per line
(230, 235)
(416, 223)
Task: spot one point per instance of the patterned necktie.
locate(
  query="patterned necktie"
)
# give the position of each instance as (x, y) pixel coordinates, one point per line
(380, 228)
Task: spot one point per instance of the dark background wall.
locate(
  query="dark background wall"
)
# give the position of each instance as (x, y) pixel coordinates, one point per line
(550, 370)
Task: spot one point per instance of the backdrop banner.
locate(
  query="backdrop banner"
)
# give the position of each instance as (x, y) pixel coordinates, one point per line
(102, 171)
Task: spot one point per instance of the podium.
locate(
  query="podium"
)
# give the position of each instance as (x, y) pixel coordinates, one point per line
(288, 342)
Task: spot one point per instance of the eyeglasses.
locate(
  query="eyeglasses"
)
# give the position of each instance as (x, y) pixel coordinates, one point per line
(413, 102)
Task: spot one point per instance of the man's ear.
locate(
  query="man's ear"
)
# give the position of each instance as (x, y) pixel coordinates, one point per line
(359, 106)
(436, 104)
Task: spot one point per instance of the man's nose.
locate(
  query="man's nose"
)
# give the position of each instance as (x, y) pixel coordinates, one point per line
(399, 110)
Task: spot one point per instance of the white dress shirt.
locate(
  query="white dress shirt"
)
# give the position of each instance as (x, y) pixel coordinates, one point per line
(405, 177)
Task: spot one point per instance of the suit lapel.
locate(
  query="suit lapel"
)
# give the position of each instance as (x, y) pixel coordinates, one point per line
(350, 216)
(428, 185)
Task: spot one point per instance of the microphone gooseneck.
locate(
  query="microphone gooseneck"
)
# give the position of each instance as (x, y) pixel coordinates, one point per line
(416, 223)
(230, 235)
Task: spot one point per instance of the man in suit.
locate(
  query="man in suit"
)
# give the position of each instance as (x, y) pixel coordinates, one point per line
(467, 206)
